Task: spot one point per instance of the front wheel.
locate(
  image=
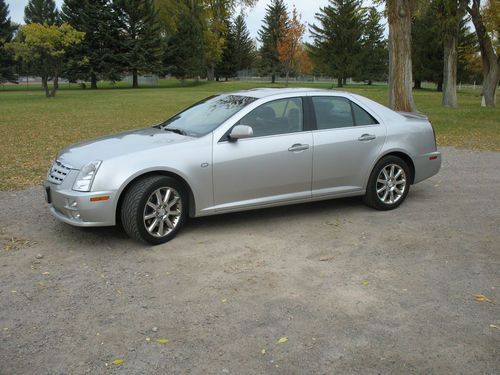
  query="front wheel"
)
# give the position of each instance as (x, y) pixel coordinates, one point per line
(389, 184)
(154, 209)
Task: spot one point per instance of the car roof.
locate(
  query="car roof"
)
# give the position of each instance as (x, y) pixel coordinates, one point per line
(267, 92)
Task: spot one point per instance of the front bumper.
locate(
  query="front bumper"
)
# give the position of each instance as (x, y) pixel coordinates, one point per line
(77, 208)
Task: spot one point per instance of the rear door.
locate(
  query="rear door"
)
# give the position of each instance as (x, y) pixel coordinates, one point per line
(347, 141)
(275, 165)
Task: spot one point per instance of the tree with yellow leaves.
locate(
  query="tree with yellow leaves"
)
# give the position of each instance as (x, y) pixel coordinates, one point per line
(45, 46)
(290, 49)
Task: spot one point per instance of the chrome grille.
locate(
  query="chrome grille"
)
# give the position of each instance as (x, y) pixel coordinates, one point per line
(58, 172)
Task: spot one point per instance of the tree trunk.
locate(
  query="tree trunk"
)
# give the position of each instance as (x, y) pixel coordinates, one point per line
(490, 60)
(55, 86)
(370, 82)
(439, 87)
(450, 71)
(93, 81)
(135, 79)
(211, 72)
(287, 77)
(339, 82)
(400, 69)
(418, 84)
(273, 77)
(45, 86)
(344, 81)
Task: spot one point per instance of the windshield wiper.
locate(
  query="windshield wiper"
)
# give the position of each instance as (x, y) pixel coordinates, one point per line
(174, 130)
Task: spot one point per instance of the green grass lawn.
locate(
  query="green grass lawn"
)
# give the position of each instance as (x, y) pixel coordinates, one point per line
(33, 128)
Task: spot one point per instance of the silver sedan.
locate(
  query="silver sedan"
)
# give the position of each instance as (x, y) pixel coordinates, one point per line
(240, 151)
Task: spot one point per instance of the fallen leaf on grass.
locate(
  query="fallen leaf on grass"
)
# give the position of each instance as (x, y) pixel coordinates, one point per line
(325, 259)
(163, 341)
(494, 326)
(365, 282)
(483, 298)
(46, 273)
(118, 361)
(283, 340)
(263, 351)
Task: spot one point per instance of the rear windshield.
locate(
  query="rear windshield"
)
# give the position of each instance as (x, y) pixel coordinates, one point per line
(206, 115)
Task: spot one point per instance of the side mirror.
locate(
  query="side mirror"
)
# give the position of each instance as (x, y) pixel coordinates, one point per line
(241, 132)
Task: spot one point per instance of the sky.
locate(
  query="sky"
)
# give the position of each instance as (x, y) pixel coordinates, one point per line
(307, 9)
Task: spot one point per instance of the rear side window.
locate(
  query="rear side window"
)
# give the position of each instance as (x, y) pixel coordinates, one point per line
(332, 112)
(361, 117)
(337, 112)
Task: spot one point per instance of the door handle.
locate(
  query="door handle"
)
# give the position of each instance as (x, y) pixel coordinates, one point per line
(367, 137)
(298, 147)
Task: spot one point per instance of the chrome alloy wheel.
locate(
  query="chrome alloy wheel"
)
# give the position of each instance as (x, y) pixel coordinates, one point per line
(391, 184)
(162, 211)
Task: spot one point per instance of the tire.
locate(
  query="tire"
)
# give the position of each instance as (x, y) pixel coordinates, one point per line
(138, 212)
(380, 184)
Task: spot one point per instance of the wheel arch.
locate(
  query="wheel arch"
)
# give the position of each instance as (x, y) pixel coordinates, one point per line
(185, 184)
(402, 155)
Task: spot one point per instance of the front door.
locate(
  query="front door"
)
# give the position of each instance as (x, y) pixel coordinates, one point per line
(275, 165)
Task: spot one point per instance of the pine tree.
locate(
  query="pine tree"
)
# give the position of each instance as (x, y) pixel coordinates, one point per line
(244, 51)
(140, 37)
(7, 65)
(374, 48)
(41, 11)
(338, 37)
(271, 34)
(227, 67)
(98, 56)
(184, 55)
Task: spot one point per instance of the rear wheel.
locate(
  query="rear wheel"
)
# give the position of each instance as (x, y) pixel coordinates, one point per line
(389, 184)
(154, 209)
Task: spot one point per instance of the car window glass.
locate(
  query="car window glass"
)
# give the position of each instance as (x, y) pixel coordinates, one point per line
(332, 112)
(276, 117)
(362, 117)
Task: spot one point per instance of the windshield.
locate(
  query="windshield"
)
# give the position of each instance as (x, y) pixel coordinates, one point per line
(205, 116)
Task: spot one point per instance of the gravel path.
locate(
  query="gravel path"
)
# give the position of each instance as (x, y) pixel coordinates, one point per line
(352, 289)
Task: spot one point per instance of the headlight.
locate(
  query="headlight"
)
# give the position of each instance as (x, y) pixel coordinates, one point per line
(86, 176)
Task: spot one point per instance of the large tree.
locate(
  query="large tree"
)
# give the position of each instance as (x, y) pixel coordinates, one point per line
(98, 56)
(290, 45)
(139, 36)
(244, 49)
(7, 66)
(374, 48)
(184, 52)
(489, 56)
(46, 46)
(338, 37)
(227, 66)
(270, 35)
(41, 11)
(399, 15)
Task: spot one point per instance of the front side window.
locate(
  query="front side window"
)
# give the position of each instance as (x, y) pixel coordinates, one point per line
(276, 117)
(337, 112)
(205, 116)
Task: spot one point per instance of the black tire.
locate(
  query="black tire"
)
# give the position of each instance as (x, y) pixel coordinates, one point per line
(371, 198)
(134, 203)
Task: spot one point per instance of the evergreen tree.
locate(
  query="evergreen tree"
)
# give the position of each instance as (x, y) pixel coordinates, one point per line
(374, 49)
(41, 11)
(140, 36)
(338, 37)
(7, 65)
(244, 51)
(227, 67)
(98, 56)
(184, 56)
(427, 49)
(271, 34)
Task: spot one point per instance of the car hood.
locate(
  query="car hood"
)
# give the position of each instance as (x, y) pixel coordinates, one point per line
(116, 145)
